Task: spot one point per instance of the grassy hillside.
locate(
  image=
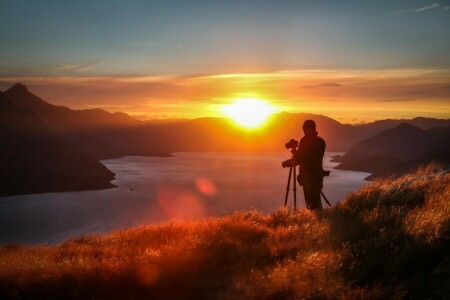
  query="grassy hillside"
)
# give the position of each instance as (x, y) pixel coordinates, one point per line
(389, 239)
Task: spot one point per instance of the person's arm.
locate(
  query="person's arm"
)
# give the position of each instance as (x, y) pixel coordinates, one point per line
(289, 163)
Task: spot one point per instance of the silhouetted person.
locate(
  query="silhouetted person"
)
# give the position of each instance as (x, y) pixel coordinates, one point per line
(309, 156)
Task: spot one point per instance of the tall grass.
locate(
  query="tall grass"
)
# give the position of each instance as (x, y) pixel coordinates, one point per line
(390, 239)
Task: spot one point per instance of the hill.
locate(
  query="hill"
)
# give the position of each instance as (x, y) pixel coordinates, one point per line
(397, 150)
(390, 239)
(34, 160)
(420, 122)
(107, 135)
(62, 119)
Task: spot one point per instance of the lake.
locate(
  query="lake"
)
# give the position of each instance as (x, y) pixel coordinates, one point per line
(156, 189)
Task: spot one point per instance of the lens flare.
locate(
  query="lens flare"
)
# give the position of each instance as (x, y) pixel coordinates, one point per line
(205, 186)
(179, 203)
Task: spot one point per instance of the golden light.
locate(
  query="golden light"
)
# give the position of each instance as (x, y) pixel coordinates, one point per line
(249, 112)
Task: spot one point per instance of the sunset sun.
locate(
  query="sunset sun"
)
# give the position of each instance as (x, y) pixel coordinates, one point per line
(249, 112)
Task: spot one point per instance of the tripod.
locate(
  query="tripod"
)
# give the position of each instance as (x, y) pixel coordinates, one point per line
(294, 179)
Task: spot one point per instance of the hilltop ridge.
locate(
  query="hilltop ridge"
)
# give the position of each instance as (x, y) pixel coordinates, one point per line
(34, 160)
(390, 239)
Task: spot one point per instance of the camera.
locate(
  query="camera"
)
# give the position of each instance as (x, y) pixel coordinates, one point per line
(292, 144)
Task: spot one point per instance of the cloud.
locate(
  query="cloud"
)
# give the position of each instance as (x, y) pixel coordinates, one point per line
(332, 84)
(63, 69)
(421, 9)
(74, 67)
(435, 5)
(397, 99)
(427, 7)
(327, 84)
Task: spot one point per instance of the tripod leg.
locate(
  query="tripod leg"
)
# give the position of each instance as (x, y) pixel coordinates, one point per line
(288, 185)
(295, 188)
(325, 198)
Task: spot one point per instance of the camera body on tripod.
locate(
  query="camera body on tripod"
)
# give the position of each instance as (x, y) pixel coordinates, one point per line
(292, 144)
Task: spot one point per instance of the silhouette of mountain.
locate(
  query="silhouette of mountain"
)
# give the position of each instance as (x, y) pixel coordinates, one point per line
(34, 160)
(397, 150)
(62, 119)
(440, 155)
(218, 134)
(421, 122)
(106, 135)
(46, 147)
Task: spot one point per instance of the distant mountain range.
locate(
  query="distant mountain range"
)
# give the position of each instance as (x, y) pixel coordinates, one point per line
(96, 134)
(62, 119)
(398, 150)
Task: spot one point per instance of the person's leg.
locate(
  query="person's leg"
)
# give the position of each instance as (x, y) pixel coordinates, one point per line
(307, 194)
(311, 190)
(315, 196)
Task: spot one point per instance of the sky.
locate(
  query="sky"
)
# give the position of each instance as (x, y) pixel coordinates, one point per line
(355, 61)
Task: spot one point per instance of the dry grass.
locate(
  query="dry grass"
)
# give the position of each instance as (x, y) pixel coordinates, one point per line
(388, 240)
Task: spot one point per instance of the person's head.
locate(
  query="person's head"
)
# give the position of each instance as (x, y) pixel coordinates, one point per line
(309, 128)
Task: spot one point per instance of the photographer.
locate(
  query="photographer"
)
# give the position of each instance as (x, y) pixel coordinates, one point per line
(309, 156)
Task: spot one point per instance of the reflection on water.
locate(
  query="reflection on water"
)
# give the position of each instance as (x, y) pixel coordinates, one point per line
(155, 189)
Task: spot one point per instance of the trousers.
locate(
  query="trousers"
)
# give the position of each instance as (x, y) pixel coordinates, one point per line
(311, 191)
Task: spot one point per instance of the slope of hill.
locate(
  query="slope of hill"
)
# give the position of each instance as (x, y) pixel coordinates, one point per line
(388, 240)
(398, 149)
(34, 160)
(62, 119)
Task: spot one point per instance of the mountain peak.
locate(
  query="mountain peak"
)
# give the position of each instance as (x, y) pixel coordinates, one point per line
(406, 126)
(18, 87)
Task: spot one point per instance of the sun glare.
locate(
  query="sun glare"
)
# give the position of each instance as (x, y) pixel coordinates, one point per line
(249, 112)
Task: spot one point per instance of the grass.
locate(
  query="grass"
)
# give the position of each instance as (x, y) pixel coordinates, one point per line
(390, 239)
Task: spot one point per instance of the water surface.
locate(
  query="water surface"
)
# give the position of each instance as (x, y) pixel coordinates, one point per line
(155, 189)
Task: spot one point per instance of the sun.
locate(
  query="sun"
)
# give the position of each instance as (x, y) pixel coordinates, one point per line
(249, 112)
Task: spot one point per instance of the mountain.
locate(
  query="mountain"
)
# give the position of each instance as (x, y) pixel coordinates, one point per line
(421, 122)
(106, 135)
(397, 150)
(34, 160)
(46, 147)
(214, 134)
(62, 119)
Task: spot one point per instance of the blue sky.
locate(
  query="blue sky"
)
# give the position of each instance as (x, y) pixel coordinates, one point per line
(81, 38)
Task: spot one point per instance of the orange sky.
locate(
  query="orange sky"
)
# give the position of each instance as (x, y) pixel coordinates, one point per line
(350, 96)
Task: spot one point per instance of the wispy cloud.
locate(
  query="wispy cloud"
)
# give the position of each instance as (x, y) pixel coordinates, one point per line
(326, 84)
(427, 7)
(62, 69)
(158, 45)
(421, 9)
(74, 67)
